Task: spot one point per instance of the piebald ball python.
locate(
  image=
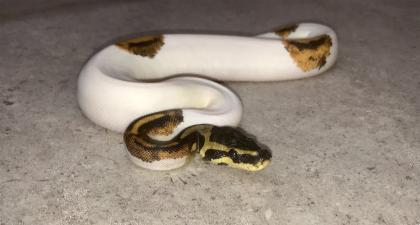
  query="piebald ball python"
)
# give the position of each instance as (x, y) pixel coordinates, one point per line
(164, 122)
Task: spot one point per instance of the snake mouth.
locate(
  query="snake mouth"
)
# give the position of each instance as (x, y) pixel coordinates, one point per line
(256, 162)
(265, 159)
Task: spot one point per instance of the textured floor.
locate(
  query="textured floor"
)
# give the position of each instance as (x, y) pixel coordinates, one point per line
(346, 144)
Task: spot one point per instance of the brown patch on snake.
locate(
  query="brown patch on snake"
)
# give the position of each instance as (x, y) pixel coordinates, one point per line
(162, 123)
(147, 46)
(284, 32)
(140, 145)
(309, 53)
(165, 125)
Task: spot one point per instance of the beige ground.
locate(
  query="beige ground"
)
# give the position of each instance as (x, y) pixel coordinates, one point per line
(346, 144)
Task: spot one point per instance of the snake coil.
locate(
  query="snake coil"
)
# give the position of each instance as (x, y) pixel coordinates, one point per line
(164, 122)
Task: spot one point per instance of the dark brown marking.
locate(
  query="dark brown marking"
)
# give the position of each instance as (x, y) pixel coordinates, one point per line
(155, 152)
(232, 137)
(212, 154)
(147, 46)
(166, 124)
(286, 31)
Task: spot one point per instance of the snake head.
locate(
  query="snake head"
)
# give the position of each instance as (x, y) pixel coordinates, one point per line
(233, 147)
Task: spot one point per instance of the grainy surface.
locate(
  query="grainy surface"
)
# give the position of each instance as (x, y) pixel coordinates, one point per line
(346, 144)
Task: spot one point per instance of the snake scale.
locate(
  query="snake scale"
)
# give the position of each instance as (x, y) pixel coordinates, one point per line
(161, 91)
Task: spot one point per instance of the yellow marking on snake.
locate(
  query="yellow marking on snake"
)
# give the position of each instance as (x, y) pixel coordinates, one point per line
(244, 166)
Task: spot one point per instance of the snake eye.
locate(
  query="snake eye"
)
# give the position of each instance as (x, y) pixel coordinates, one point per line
(233, 154)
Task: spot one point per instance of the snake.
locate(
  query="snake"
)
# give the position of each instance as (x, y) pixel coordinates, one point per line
(164, 91)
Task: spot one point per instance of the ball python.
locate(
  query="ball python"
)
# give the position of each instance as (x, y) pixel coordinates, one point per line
(161, 91)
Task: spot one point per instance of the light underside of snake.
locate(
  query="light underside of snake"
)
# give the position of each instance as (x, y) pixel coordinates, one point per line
(115, 87)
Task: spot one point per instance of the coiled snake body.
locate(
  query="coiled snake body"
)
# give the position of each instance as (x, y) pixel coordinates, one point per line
(164, 122)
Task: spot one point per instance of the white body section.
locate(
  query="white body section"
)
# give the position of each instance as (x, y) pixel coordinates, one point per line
(164, 164)
(112, 91)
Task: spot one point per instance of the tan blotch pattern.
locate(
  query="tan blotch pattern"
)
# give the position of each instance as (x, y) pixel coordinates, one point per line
(140, 145)
(147, 46)
(309, 53)
(167, 127)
